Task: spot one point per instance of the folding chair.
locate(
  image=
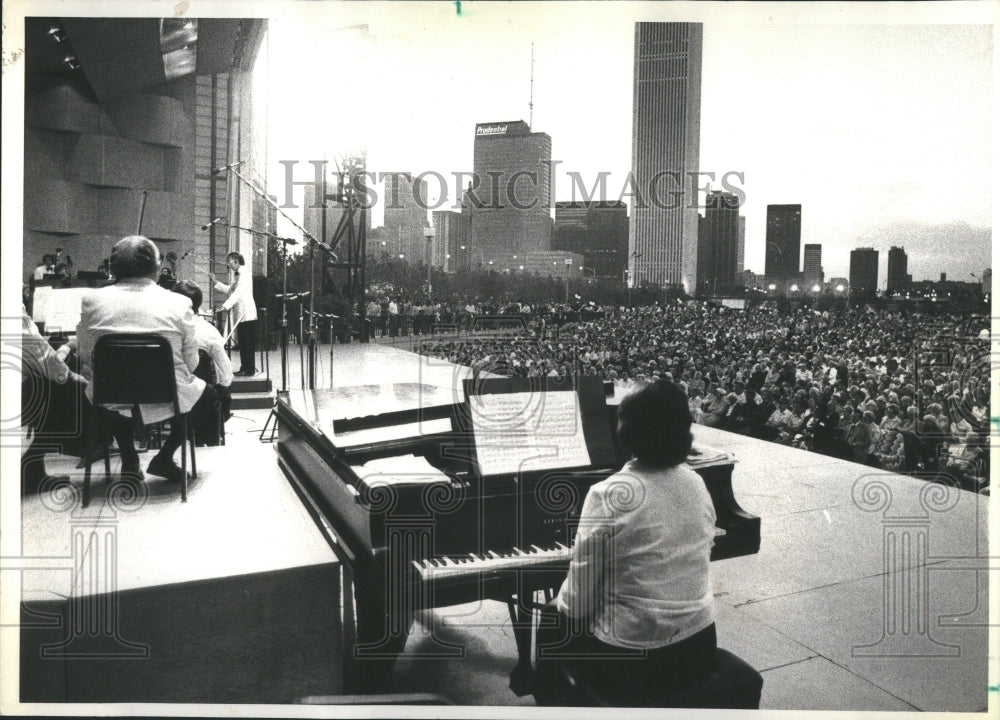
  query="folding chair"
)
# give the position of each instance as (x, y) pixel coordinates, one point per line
(136, 369)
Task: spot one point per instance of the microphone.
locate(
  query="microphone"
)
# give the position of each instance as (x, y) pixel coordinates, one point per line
(227, 167)
(207, 225)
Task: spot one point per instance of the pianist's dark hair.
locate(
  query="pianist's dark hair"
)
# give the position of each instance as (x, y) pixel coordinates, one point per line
(134, 256)
(190, 290)
(654, 423)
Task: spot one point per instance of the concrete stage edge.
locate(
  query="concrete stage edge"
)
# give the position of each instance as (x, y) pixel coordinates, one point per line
(870, 590)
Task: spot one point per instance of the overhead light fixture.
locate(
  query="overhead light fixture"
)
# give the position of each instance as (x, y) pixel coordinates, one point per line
(72, 62)
(179, 47)
(57, 34)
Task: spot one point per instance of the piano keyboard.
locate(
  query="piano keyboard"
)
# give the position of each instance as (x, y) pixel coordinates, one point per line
(490, 561)
(452, 566)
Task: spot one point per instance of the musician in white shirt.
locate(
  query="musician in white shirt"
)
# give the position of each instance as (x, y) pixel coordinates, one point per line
(207, 338)
(136, 304)
(638, 593)
(47, 267)
(240, 303)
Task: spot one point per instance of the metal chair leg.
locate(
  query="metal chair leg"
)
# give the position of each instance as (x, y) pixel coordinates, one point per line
(184, 460)
(189, 427)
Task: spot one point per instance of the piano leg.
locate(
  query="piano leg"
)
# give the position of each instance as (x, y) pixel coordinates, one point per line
(380, 642)
(521, 620)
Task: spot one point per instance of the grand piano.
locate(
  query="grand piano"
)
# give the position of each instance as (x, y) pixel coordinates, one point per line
(393, 475)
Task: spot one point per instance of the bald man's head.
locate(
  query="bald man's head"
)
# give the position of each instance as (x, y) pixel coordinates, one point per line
(134, 256)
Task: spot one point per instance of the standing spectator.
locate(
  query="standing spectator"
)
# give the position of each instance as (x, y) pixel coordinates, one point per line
(858, 436)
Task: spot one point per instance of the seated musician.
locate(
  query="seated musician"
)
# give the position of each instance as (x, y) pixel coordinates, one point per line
(53, 405)
(135, 303)
(64, 263)
(47, 267)
(638, 596)
(208, 338)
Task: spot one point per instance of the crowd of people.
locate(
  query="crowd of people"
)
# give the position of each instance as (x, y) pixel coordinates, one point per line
(903, 392)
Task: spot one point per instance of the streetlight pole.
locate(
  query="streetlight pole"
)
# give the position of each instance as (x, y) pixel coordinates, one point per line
(429, 234)
(631, 278)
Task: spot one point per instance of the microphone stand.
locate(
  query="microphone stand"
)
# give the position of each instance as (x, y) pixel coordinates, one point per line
(313, 242)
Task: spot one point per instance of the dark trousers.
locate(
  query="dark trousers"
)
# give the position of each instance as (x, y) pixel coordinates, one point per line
(246, 336)
(122, 429)
(59, 417)
(625, 673)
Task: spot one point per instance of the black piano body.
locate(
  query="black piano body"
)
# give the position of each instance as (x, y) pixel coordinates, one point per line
(391, 536)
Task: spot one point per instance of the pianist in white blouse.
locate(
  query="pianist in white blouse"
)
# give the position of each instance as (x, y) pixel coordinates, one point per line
(638, 593)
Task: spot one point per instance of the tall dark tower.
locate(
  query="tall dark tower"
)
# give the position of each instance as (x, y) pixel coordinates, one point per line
(719, 240)
(784, 233)
(864, 271)
(666, 122)
(812, 264)
(896, 279)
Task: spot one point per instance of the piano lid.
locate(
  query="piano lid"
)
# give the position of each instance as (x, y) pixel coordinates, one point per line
(362, 414)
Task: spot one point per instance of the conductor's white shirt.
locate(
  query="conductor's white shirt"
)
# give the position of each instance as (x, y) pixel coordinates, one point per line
(239, 297)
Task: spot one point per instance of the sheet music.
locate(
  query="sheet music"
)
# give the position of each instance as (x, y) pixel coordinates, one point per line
(40, 303)
(528, 431)
(399, 470)
(706, 456)
(58, 309)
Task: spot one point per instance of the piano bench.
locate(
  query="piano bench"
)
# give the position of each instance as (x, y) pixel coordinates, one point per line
(731, 684)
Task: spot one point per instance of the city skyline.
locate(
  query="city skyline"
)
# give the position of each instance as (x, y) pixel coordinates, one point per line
(909, 103)
(760, 63)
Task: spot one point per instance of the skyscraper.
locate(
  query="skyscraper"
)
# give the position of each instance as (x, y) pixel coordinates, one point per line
(666, 120)
(896, 276)
(405, 216)
(512, 201)
(741, 249)
(719, 242)
(784, 232)
(812, 265)
(449, 237)
(597, 230)
(864, 271)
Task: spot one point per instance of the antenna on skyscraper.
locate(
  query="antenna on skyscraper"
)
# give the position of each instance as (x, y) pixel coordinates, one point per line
(531, 93)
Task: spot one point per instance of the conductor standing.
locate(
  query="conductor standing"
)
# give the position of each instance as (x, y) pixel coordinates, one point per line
(239, 302)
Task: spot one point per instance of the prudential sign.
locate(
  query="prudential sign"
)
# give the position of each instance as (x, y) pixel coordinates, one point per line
(491, 130)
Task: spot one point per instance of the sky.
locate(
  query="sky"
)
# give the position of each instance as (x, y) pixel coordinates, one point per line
(883, 131)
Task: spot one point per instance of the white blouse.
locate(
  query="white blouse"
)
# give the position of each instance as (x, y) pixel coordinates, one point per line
(639, 570)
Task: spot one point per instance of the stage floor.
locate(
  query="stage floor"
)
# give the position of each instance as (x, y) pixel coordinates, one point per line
(869, 593)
